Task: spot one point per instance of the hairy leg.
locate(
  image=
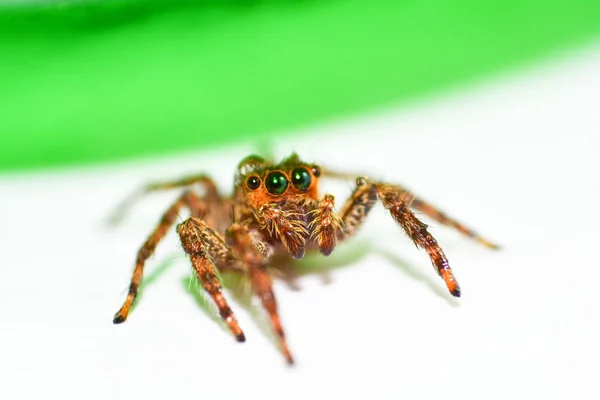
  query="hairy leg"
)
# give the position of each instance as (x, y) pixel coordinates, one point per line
(357, 208)
(202, 245)
(441, 217)
(211, 194)
(417, 231)
(187, 199)
(362, 200)
(263, 287)
(251, 252)
(426, 208)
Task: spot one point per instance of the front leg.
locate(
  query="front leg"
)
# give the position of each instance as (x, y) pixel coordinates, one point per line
(415, 229)
(203, 245)
(362, 200)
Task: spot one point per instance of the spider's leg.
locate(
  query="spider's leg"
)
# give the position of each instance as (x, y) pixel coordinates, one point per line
(337, 174)
(251, 251)
(441, 217)
(356, 209)
(201, 243)
(361, 201)
(426, 208)
(187, 199)
(287, 223)
(262, 285)
(393, 200)
(211, 193)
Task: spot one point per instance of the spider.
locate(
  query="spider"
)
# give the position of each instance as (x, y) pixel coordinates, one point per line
(276, 209)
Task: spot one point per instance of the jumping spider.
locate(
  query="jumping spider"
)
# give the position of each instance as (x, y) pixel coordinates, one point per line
(276, 209)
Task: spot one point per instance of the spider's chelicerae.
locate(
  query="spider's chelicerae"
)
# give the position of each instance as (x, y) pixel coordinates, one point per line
(276, 209)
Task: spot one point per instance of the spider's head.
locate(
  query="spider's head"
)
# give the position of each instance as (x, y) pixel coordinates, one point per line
(260, 182)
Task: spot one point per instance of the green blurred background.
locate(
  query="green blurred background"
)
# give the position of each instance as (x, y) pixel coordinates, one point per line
(101, 81)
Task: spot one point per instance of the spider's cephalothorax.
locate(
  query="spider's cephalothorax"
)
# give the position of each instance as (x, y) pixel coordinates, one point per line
(281, 203)
(276, 208)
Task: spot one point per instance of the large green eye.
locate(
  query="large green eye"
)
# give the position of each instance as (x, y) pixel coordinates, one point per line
(276, 183)
(301, 179)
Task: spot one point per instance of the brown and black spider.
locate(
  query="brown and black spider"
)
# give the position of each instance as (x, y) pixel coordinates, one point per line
(276, 209)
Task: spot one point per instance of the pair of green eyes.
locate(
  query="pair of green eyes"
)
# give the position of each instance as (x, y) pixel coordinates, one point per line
(277, 183)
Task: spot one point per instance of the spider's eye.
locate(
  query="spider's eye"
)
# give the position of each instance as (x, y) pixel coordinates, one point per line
(301, 179)
(276, 183)
(253, 182)
(316, 170)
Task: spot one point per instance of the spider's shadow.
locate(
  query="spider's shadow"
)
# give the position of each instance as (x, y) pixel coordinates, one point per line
(291, 272)
(152, 277)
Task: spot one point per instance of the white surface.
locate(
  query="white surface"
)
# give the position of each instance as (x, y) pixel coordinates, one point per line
(517, 160)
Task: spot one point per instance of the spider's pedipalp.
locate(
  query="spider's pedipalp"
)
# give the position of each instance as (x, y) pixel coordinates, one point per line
(287, 223)
(325, 225)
